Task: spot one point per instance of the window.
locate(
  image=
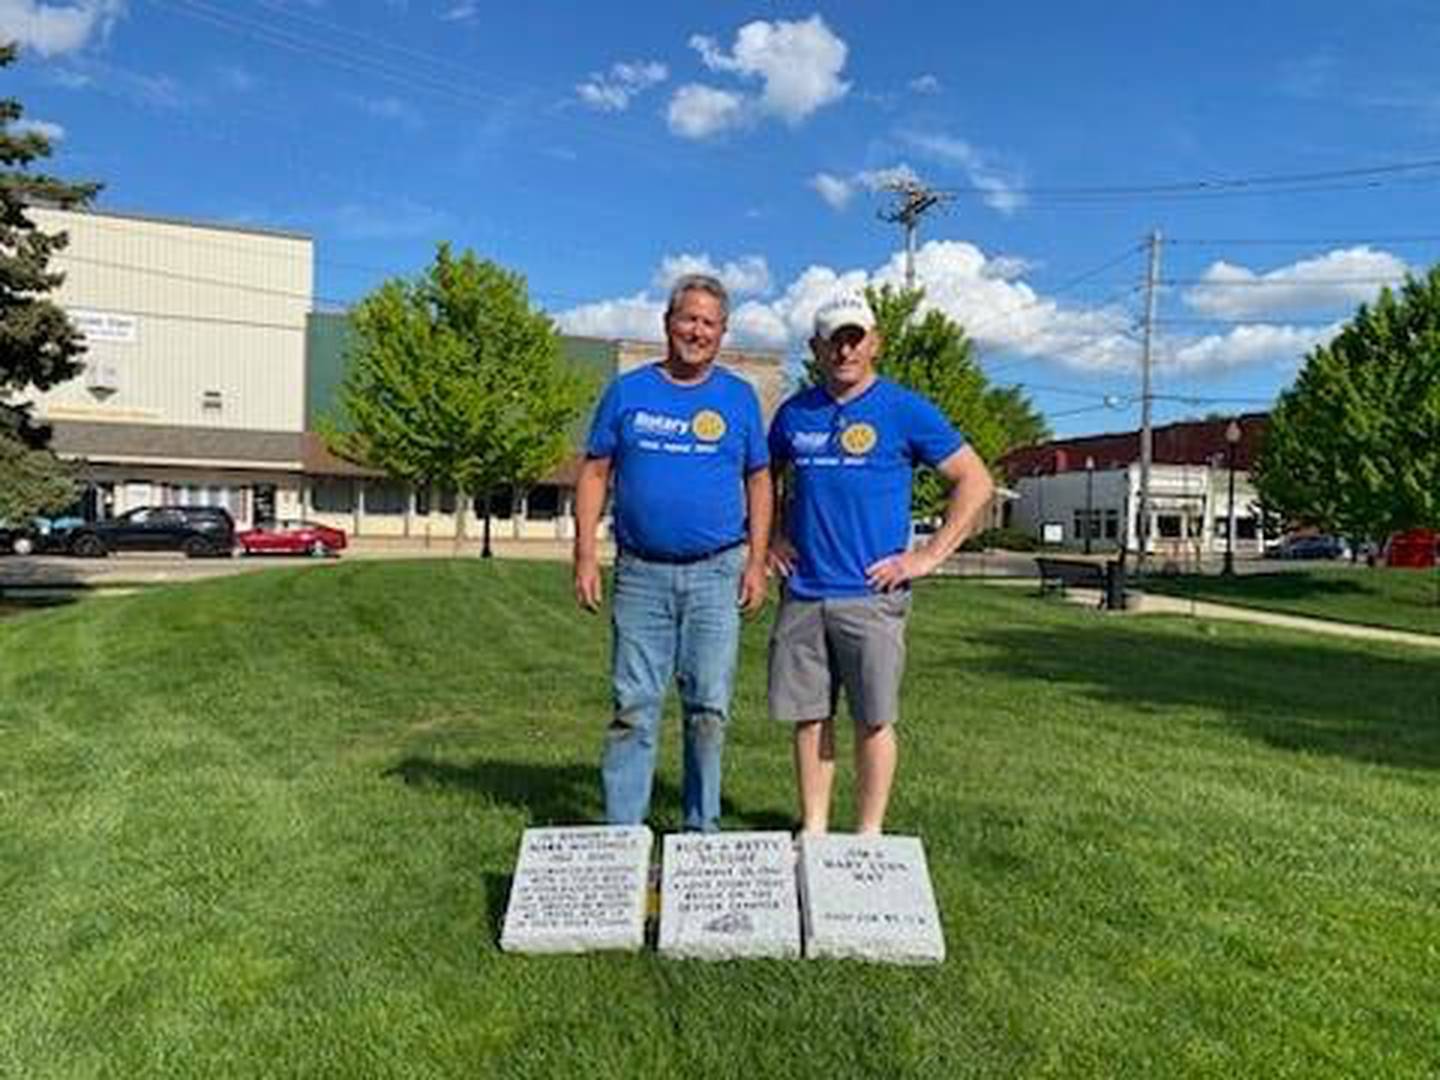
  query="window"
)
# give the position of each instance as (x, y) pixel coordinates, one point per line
(1246, 528)
(502, 504)
(1080, 532)
(422, 500)
(212, 401)
(1112, 524)
(1167, 526)
(384, 497)
(333, 495)
(543, 503)
(447, 499)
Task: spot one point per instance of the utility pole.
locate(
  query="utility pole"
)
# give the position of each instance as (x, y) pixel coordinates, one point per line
(913, 200)
(1152, 282)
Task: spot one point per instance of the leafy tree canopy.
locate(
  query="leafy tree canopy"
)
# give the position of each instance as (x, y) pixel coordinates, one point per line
(1354, 445)
(454, 379)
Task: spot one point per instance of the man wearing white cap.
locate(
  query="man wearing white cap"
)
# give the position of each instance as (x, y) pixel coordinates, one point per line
(847, 450)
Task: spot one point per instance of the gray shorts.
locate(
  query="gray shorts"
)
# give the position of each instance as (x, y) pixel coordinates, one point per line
(818, 646)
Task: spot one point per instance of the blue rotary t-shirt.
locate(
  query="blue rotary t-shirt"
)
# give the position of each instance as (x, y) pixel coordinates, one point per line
(679, 455)
(851, 464)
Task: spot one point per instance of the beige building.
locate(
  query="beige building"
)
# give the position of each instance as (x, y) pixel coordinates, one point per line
(194, 384)
(208, 370)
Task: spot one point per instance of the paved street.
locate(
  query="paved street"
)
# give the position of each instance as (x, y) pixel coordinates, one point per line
(140, 568)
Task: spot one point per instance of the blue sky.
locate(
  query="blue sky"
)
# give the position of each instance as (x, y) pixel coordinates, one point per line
(601, 149)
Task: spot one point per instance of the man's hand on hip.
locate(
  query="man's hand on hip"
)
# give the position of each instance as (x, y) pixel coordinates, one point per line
(895, 570)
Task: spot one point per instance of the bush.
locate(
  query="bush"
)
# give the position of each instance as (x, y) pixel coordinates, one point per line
(1006, 539)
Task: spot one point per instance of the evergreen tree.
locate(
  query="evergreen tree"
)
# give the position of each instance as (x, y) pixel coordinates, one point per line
(39, 347)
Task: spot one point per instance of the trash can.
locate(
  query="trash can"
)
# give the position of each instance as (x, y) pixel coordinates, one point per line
(1114, 586)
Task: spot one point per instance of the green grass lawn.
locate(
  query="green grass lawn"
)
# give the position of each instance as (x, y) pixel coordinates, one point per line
(1398, 599)
(265, 826)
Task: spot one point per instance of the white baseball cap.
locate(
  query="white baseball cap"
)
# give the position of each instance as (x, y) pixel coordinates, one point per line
(849, 309)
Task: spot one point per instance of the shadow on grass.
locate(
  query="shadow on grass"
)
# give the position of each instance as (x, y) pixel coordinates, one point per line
(13, 602)
(497, 899)
(559, 794)
(1314, 699)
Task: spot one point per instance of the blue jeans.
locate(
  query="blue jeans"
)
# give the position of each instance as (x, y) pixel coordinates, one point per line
(680, 622)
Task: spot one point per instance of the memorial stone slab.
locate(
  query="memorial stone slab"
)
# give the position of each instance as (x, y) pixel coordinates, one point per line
(729, 895)
(578, 889)
(870, 898)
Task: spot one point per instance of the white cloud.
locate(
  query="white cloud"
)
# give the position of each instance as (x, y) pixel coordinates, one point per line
(697, 112)
(799, 65)
(53, 132)
(749, 274)
(1341, 278)
(613, 91)
(925, 84)
(1248, 346)
(52, 30)
(837, 191)
(986, 294)
(640, 316)
(462, 12)
(1000, 192)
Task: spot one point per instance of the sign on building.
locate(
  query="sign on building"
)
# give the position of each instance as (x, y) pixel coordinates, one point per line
(110, 326)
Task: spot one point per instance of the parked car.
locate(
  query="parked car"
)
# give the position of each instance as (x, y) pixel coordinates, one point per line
(291, 538)
(1417, 549)
(1308, 547)
(37, 536)
(19, 539)
(196, 530)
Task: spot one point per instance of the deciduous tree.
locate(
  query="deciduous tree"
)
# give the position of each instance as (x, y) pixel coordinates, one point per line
(1354, 446)
(454, 379)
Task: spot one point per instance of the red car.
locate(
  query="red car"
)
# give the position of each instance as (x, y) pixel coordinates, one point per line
(1418, 549)
(291, 538)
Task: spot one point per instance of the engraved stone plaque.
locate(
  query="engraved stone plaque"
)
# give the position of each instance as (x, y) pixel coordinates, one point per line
(869, 897)
(729, 895)
(578, 889)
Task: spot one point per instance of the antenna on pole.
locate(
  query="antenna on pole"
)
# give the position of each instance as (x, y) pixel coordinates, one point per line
(912, 201)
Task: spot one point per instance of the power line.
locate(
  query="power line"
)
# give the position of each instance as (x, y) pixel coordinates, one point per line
(1181, 320)
(1214, 186)
(1282, 283)
(1063, 287)
(1315, 241)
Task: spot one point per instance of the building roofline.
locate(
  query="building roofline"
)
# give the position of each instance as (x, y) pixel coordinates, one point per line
(189, 223)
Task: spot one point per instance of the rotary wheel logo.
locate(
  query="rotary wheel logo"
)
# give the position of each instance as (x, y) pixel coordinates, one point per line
(708, 425)
(858, 439)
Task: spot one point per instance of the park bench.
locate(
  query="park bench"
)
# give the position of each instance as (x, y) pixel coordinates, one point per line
(1057, 574)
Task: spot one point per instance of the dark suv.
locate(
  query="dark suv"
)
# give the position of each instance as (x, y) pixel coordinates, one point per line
(195, 530)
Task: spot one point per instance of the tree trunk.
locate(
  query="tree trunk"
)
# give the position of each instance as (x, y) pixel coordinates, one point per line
(462, 500)
(485, 552)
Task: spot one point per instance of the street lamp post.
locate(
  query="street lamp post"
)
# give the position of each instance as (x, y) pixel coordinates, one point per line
(1232, 440)
(1089, 501)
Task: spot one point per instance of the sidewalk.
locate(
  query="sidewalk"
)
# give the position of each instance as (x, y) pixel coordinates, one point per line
(1153, 604)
